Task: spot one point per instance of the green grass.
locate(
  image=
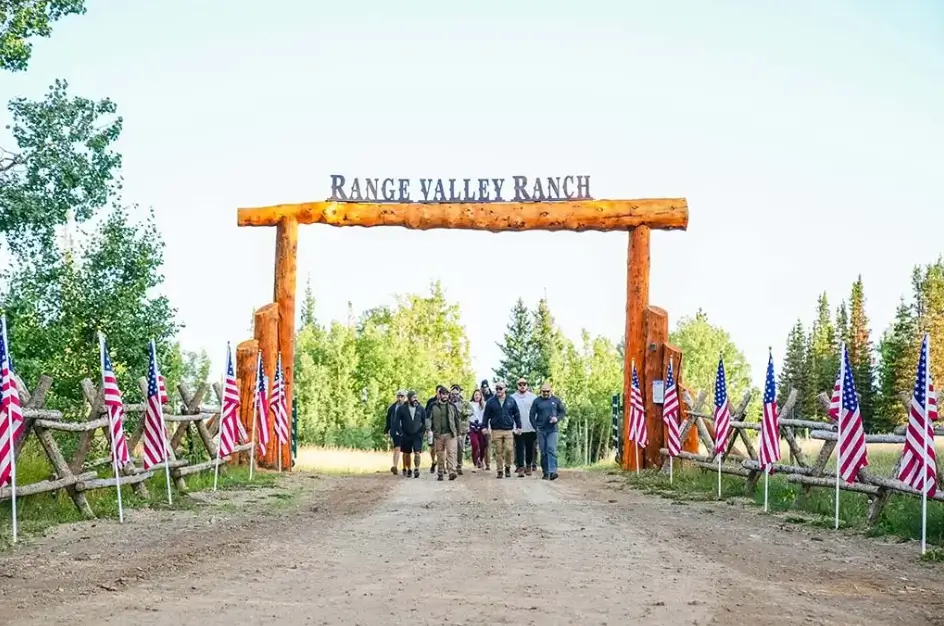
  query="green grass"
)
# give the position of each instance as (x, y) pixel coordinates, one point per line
(37, 513)
(901, 517)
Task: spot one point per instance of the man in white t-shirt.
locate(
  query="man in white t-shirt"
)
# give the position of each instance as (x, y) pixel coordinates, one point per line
(525, 441)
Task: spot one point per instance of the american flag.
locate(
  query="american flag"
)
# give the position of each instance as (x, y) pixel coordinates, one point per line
(115, 409)
(155, 433)
(10, 410)
(262, 406)
(670, 414)
(770, 422)
(920, 434)
(230, 426)
(637, 414)
(722, 410)
(279, 406)
(852, 452)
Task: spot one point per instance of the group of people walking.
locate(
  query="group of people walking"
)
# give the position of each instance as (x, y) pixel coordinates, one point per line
(521, 427)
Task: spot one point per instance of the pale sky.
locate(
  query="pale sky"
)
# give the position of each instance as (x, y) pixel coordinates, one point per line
(806, 136)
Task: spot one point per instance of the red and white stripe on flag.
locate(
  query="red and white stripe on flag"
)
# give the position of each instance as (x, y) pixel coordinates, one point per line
(9, 408)
(670, 414)
(230, 426)
(637, 414)
(722, 415)
(155, 432)
(279, 404)
(115, 410)
(852, 451)
(770, 421)
(262, 406)
(918, 463)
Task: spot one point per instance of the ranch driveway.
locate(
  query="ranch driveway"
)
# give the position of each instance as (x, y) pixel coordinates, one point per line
(385, 550)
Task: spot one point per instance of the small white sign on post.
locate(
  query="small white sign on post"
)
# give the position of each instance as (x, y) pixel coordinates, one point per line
(658, 391)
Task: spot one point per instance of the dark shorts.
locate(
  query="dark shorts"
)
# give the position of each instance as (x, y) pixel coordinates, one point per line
(396, 439)
(410, 444)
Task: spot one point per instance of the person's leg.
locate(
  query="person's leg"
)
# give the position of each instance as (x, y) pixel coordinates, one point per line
(535, 462)
(476, 454)
(542, 440)
(497, 442)
(529, 441)
(450, 454)
(407, 450)
(440, 443)
(396, 455)
(460, 444)
(417, 454)
(432, 456)
(487, 450)
(518, 442)
(509, 452)
(552, 454)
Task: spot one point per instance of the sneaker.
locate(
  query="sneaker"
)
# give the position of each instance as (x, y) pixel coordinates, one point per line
(488, 467)
(440, 477)
(507, 472)
(459, 471)
(527, 471)
(500, 475)
(432, 470)
(451, 477)
(404, 472)
(534, 468)
(520, 472)
(393, 470)
(416, 473)
(544, 477)
(554, 476)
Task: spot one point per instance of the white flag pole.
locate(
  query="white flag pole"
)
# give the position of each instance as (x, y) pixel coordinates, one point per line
(766, 476)
(111, 432)
(842, 380)
(671, 465)
(219, 442)
(719, 475)
(928, 444)
(12, 434)
(164, 442)
(255, 412)
(636, 446)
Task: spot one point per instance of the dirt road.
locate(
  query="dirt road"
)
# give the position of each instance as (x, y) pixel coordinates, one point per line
(386, 550)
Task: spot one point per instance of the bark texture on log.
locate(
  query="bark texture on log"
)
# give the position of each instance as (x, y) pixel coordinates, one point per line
(246, 353)
(690, 441)
(657, 333)
(286, 265)
(637, 300)
(580, 215)
(266, 331)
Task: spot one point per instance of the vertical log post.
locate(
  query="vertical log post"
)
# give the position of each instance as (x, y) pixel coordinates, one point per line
(657, 333)
(637, 300)
(266, 330)
(246, 354)
(673, 352)
(286, 265)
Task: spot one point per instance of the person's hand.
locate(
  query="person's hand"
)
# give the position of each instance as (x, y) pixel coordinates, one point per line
(553, 420)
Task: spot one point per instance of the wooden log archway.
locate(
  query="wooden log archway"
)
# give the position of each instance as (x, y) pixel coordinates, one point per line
(636, 216)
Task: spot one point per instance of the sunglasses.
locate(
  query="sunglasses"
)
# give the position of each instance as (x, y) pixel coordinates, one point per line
(499, 387)
(522, 384)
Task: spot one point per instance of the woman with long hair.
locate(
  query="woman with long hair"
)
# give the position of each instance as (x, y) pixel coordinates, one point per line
(478, 439)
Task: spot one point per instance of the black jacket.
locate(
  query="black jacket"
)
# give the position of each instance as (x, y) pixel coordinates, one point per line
(411, 426)
(393, 424)
(541, 411)
(501, 416)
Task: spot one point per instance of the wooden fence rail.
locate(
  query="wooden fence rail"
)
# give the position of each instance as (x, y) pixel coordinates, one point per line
(79, 474)
(798, 468)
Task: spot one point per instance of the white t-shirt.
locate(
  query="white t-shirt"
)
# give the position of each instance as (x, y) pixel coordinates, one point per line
(524, 402)
(477, 413)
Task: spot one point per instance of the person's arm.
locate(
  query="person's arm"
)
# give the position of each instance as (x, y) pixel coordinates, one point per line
(486, 415)
(516, 414)
(532, 414)
(427, 421)
(389, 421)
(561, 410)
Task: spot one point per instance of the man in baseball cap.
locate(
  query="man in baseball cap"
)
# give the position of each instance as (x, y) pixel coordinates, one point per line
(392, 427)
(465, 412)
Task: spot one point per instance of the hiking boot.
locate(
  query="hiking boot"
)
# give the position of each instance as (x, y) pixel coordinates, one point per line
(554, 476)
(544, 477)
(500, 475)
(452, 476)
(404, 472)
(416, 473)
(507, 472)
(520, 472)
(534, 469)
(440, 477)
(393, 470)
(459, 471)
(432, 470)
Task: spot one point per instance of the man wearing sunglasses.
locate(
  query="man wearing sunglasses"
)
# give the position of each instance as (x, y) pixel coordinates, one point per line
(392, 427)
(525, 441)
(503, 420)
(546, 412)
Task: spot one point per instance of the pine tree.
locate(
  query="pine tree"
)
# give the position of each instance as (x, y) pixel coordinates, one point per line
(822, 358)
(842, 330)
(860, 355)
(898, 358)
(794, 373)
(928, 287)
(308, 306)
(518, 347)
(546, 344)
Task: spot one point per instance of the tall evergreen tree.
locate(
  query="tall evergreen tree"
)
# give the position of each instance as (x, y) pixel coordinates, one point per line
(308, 305)
(517, 347)
(928, 288)
(860, 355)
(546, 344)
(842, 329)
(794, 373)
(897, 357)
(822, 358)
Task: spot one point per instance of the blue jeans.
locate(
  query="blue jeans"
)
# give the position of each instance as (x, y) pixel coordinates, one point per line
(547, 441)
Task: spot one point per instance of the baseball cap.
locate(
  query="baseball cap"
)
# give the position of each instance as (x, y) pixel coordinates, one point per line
(401, 392)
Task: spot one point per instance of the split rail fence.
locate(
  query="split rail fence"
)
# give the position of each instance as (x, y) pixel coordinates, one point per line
(804, 470)
(78, 475)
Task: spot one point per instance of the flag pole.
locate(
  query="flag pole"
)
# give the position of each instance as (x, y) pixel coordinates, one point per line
(636, 446)
(928, 444)
(111, 432)
(219, 443)
(12, 435)
(766, 477)
(842, 380)
(671, 465)
(164, 442)
(255, 410)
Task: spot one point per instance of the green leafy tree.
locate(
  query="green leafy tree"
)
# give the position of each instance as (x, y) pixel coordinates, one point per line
(22, 20)
(518, 345)
(63, 165)
(794, 373)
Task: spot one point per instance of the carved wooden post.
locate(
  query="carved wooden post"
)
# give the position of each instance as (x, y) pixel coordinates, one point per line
(266, 329)
(657, 333)
(690, 442)
(246, 354)
(637, 299)
(286, 262)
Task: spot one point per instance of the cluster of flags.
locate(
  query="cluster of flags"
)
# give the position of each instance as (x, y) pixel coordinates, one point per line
(155, 442)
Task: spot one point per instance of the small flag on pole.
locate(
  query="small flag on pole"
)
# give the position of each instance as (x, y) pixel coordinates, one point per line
(670, 414)
(262, 406)
(918, 469)
(637, 414)
(279, 404)
(230, 426)
(722, 416)
(11, 422)
(115, 409)
(852, 452)
(770, 422)
(155, 433)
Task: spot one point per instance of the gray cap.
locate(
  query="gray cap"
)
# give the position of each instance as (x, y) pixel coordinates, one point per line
(411, 394)
(401, 392)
